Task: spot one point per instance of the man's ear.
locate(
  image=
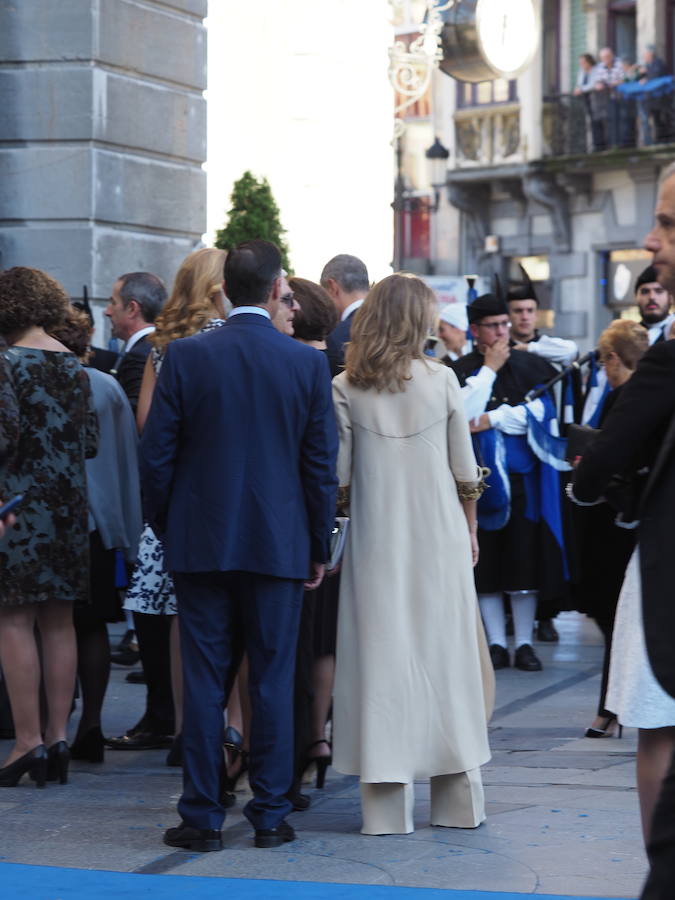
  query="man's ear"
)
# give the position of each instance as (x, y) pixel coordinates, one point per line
(133, 308)
(275, 293)
(474, 330)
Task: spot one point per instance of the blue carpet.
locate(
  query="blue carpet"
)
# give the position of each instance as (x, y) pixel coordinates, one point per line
(50, 883)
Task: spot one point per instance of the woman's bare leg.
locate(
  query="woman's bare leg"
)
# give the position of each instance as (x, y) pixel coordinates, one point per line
(654, 754)
(21, 670)
(323, 676)
(59, 666)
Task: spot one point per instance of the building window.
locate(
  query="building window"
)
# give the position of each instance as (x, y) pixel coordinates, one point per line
(550, 45)
(486, 93)
(623, 29)
(670, 33)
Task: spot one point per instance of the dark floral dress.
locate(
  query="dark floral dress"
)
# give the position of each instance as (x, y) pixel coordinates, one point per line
(47, 428)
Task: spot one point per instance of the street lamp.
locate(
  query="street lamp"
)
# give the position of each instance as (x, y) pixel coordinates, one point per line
(437, 155)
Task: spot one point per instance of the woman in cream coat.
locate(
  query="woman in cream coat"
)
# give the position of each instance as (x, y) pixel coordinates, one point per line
(414, 684)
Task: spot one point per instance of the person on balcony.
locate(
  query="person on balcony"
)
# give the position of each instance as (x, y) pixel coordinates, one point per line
(607, 75)
(650, 110)
(583, 90)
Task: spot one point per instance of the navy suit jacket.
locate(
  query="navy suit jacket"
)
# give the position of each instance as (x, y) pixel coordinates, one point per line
(239, 450)
(130, 370)
(335, 345)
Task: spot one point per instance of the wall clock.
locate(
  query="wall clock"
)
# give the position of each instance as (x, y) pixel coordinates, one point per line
(487, 39)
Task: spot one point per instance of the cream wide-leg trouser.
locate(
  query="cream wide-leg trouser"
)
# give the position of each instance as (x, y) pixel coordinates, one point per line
(457, 801)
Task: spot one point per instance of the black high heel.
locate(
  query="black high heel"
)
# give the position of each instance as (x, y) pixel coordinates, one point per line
(607, 731)
(89, 746)
(322, 763)
(34, 762)
(230, 782)
(58, 758)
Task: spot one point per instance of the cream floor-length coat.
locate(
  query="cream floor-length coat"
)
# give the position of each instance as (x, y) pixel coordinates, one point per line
(414, 685)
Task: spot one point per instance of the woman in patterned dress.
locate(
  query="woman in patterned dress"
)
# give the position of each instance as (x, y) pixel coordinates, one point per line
(197, 303)
(47, 428)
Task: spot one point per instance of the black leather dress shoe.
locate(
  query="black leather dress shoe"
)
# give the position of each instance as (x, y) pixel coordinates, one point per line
(547, 632)
(136, 677)
(499, 656)
(188, 838)
(140, 740)
(274, 837)
(526, 659)
(300, 801)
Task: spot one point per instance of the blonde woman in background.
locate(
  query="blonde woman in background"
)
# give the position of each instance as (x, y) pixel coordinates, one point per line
(414, 684)
(197, 303)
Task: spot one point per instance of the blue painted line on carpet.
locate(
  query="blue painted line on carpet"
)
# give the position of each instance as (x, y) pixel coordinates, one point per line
(51, 883)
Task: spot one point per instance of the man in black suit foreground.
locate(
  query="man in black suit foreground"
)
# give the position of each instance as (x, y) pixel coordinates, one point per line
(639, 431)
(345, 278)
(238, 461)
(658, 518)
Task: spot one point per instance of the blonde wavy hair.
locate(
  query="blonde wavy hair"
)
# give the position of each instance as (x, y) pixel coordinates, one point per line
(191, 303)
(627, 339)
(389, 331)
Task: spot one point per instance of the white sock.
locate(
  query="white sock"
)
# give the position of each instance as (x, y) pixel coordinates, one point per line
(523, 606)
(492, 611)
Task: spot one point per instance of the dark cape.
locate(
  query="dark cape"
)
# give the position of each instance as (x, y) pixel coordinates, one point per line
(520, 374)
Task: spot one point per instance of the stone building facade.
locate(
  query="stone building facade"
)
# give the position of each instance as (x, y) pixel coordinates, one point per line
(102, 137)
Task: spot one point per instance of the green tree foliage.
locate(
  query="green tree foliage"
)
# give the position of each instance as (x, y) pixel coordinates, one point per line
(253, 214)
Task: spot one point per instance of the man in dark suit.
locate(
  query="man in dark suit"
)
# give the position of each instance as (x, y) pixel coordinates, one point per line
(639, 432)
(135, 303)
(238, 462)
(346, 280)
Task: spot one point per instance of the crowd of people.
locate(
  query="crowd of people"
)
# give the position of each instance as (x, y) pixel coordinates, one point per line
(264, 404)
(612, 116)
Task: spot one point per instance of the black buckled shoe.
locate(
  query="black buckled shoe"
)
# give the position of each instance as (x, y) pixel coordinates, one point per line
(526, 659)
(499, 656)
(203, 840)
(274, 837)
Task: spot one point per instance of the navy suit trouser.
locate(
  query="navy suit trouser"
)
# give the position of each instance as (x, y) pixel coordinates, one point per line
(221, 615)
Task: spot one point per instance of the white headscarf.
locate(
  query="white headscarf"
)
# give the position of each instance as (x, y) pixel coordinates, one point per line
(455, 314)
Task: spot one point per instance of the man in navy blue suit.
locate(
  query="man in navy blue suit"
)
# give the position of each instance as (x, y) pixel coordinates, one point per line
(238, 463)
(345, 278)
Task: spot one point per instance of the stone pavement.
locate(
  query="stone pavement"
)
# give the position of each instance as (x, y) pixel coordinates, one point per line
(562, 809)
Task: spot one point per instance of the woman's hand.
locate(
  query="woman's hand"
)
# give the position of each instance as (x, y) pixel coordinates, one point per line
(473, 537)
(481, 423)
(8, 522)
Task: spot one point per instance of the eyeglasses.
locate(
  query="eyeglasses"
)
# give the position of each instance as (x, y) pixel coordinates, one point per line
(288, 300)
(495, 326)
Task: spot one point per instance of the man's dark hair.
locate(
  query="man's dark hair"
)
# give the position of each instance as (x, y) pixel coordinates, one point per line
(147, 290)
(348, 271)
(649, 276)
(250, 271)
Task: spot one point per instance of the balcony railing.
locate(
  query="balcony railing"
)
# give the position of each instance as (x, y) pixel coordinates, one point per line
(632, 115)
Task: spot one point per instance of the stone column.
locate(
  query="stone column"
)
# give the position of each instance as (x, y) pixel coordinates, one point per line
(102, 137)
